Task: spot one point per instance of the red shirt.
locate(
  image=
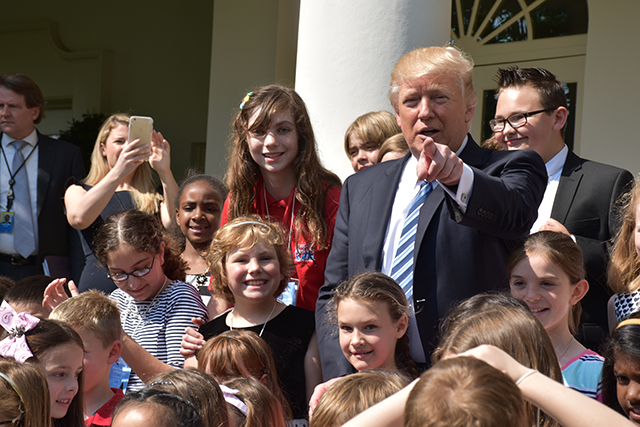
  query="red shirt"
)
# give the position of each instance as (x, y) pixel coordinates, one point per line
(309, 262)
(102, 417)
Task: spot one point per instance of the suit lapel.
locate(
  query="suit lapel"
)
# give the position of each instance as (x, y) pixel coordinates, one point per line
(46, 161)
(567, 187)
(472, 156)
(382, 196)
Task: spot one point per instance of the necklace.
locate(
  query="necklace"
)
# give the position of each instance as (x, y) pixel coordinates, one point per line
(293, 206)
(566, 348)
(275, 303)
(142, 314)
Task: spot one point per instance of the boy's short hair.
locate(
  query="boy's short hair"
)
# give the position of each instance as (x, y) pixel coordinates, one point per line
(94, 312)
(28, 290)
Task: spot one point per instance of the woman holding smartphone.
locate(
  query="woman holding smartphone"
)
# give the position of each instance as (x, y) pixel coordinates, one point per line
(119, 179)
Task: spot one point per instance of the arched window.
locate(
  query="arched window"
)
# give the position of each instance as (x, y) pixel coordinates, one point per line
(503, 21)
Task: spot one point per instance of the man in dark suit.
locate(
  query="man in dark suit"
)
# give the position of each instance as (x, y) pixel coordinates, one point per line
(33, 171)
(480, 203)
(581, 195)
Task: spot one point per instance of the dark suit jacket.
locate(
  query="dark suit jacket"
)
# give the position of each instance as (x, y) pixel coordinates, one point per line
(57, 161)
(586, 205)
(457, 255)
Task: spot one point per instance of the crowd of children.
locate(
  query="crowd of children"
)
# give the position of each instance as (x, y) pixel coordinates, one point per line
(210, 320)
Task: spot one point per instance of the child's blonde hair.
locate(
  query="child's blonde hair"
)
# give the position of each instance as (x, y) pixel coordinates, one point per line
(94, 312)
(510, 327)
(393, 144)
(624, 266)
(375, 127)
(199, 389)
(353, 394)
(224, 356)
(558, 249)
(462, 392)
(25, 398)
(246, 231)
(143, 187)
(263, 409)
(370, 287)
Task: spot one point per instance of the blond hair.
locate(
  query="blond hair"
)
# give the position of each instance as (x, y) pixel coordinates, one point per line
(375, 127)
(462, 392)
(393, 144)
(94, 312)
(433, 61)
(224, 356)
(25, 394)
(246, 231)
(513, 329)
(624, 267)
(353, 394)
(263, 409)
(143, 186)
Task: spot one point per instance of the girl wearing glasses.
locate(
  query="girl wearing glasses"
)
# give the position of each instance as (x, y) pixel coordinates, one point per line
(156, 306)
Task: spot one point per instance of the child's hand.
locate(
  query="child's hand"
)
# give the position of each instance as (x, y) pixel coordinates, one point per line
(54, 294)
(498, 359)
(317, 394)
(192, 340)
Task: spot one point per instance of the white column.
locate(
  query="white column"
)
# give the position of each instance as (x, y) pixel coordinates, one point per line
(611, 90)
(346, 52)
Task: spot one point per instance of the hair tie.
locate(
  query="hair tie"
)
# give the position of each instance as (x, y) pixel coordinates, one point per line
(628, 322)
(231, 398)
(15, 345)
(13, 385)
(251, 222)
(245, 99)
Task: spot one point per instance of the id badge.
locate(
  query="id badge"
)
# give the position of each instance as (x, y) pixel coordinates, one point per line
(119, 375)
(6, 222)
(290, 293)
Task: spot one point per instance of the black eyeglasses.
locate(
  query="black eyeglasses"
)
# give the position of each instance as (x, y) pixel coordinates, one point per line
(141, 272)
(516, 120)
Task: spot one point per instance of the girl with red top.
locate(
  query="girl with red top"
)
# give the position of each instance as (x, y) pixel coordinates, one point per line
(274, 171)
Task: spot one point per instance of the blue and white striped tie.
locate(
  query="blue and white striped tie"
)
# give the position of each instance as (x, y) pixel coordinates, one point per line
(402, 267)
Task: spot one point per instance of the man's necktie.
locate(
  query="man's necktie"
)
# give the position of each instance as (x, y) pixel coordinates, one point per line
(23, 235)
(402, 267)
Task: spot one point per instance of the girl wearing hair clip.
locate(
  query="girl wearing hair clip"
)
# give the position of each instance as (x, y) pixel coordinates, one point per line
(24, 392)
(274, 171)
(621, 369)
(250, 266)
(57, 350)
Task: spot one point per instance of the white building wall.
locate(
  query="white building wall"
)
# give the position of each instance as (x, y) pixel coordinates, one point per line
(346, 52)
(612, 88)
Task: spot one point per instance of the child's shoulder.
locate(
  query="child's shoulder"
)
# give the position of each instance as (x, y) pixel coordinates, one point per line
(298, 318)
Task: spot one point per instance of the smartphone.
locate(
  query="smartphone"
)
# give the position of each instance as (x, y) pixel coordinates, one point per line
(140, 127)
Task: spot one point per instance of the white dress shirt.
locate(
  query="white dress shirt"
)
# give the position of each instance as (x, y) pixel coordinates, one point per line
(6, 239)
(554, 171)
(408, 189)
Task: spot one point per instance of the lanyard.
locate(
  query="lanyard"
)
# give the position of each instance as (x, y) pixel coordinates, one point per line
(12, 181)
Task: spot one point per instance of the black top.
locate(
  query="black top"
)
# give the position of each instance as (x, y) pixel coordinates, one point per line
(288, 335)
(94, 276)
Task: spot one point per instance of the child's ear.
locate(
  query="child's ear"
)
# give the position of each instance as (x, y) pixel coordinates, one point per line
(114, 352)
(579, 291)
(401, 326)
(178, 217)
(264, 380)
(161, 253)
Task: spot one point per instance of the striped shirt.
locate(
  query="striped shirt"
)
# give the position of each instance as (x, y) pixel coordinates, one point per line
(584, 374)
(158, 325)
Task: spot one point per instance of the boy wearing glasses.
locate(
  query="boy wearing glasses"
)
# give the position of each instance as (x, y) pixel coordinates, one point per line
(581, 195)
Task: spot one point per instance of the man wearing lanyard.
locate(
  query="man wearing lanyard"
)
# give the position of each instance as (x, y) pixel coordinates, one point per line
(33, 171)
